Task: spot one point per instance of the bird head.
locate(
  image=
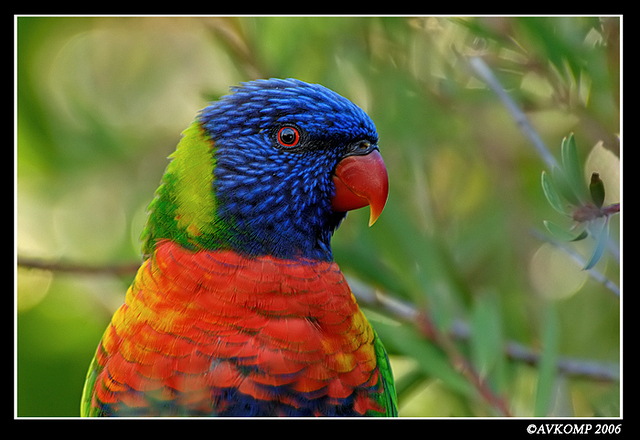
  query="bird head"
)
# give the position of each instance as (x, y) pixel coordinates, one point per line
(270, 169)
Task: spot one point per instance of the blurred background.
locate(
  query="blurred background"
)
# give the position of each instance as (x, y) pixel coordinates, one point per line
(482, 312)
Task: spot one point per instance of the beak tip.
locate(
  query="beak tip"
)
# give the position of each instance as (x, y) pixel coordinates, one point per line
(360, 181)
(375, 213)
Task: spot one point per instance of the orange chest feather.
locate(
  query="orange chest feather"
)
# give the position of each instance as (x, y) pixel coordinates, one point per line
(197, 312)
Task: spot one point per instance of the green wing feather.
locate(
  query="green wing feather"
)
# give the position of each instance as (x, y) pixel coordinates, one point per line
(390, 399)
(87, 392)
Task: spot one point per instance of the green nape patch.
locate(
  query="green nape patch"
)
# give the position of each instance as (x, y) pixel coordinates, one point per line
(185, 205)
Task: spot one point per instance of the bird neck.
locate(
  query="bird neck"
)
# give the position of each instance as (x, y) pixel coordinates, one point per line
(199, 207)
(184, 208)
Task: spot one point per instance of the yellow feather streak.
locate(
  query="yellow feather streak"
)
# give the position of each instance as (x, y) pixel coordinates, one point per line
(192, 167)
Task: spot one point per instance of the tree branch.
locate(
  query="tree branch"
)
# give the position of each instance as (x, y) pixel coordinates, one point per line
(367, 295)
(59, 266)
(572, 367)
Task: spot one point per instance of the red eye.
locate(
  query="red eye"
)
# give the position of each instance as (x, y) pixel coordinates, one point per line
(288, 136)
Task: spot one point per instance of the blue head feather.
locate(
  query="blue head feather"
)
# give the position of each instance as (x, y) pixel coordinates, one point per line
(276, 200)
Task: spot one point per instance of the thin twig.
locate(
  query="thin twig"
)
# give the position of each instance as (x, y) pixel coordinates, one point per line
(583, 368)
(595, 274)
(485, 73)
(459, 361)
(59, 266)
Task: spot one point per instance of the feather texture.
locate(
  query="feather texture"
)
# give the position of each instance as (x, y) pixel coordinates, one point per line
(238, 308)
(214, 333)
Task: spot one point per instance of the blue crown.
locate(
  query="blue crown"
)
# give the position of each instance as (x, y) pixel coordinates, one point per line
(276, 200)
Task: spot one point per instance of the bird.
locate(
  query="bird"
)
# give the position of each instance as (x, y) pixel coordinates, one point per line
(238, 308)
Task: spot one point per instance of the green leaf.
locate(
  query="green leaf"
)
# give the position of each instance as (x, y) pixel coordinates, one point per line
(486, 337)
(596, 188)
(572, 167)
(601, 241)
(550, 193)
(563, 234)
(548, 365)
(584, 234)
(562, 186)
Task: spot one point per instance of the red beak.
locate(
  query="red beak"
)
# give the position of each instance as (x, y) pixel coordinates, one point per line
(361, 181)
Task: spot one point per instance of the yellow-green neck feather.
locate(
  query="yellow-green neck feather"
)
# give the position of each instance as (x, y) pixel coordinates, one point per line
(184, 209)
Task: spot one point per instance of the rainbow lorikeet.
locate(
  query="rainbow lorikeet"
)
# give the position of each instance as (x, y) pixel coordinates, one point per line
(238, 308)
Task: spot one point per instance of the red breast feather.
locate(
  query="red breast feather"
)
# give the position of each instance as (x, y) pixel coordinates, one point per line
(217, 333)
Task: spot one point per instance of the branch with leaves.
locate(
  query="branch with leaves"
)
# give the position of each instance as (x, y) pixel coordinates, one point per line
(566, 190)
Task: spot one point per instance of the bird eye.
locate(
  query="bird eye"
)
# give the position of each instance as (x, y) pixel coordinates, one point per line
(288, 136)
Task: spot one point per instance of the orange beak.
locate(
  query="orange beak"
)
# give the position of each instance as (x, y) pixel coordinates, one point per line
(361, 181)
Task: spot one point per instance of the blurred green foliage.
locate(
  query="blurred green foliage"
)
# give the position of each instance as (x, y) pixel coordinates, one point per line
(101, 103)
